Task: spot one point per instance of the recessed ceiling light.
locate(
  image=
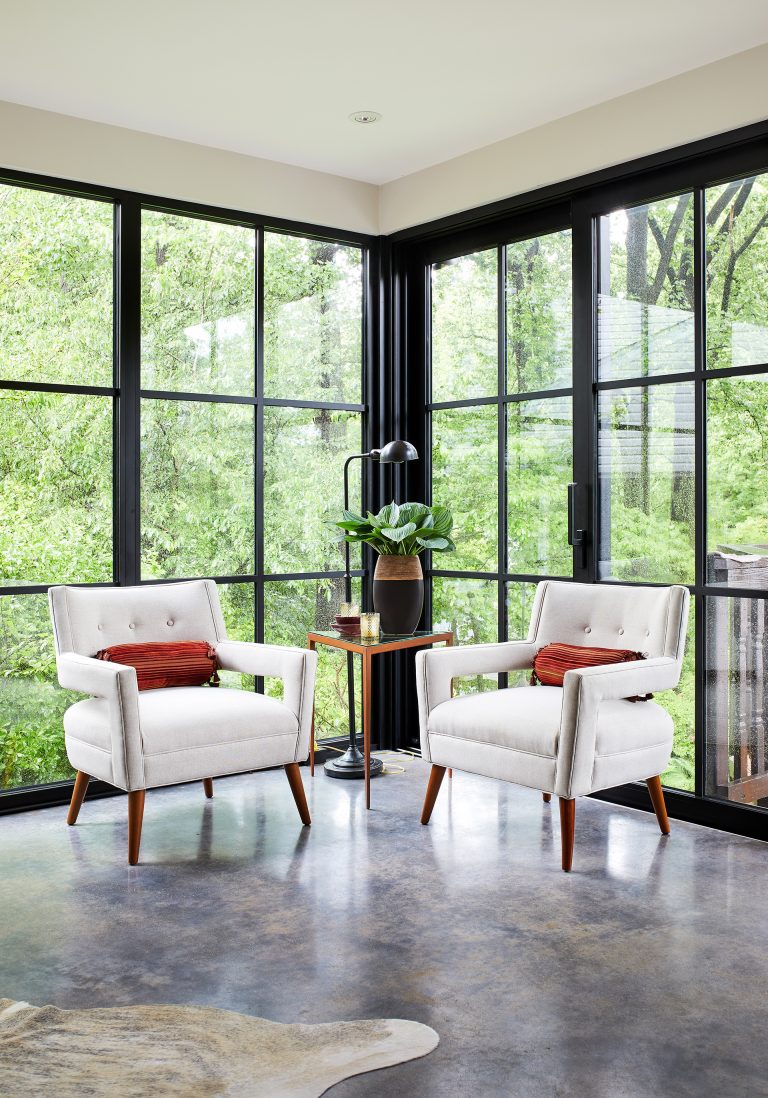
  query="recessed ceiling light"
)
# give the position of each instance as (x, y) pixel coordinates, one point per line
(364, 117)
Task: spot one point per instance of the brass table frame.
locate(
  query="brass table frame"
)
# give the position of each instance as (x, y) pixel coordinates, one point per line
(367, 649)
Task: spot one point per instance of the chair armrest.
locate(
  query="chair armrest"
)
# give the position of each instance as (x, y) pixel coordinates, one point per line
(116, 685)
(436, 668)
(583, 691)
(295, 666)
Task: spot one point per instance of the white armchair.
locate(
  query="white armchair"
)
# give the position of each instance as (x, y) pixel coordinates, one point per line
(572, 740)
(137, 741)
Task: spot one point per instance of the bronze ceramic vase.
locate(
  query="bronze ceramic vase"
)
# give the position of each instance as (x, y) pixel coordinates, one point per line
(398, 593)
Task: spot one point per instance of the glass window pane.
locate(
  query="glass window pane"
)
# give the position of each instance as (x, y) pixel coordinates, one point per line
(470, 608)
(645, 303)
(737, 700)
(238, 605)
(680, 703)
(465, 479)
(304, 454)
(197, 477)
(313, 319)
(31, 704)
(56, 277)
(646, 483)
(465, 327)
(291, 609)
(737, 481)
(197, 305)
(539, 468)
(520, 598)
(737, 273)
(55, 488)
(539, 318)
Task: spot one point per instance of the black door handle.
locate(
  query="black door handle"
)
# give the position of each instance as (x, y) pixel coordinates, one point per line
(576, 536)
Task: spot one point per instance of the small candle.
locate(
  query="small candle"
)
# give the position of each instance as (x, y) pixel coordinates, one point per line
(369, 626)
(349, 610)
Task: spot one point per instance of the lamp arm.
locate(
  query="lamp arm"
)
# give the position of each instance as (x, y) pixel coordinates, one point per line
(347, 572)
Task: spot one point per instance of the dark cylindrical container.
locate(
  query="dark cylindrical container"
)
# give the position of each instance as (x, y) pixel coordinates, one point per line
(398, 593)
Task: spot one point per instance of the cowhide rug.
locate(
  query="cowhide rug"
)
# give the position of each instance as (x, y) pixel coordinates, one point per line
(190, 1051)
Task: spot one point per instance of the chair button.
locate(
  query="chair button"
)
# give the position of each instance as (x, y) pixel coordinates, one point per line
(99, 627)
(169, 622)
(621, 632)
(588, 629)
(131, 625)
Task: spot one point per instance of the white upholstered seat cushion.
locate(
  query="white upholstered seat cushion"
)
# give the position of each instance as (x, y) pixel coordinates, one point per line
(527, 718)
(186, 716)
(191, 731)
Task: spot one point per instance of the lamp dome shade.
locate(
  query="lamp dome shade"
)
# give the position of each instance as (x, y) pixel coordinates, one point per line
(398, 451)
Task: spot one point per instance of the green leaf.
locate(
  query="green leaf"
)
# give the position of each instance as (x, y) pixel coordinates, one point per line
(399, 533)
(434, 543)
(388, 515)
(352, 516)
(348, 524)
(443, 521)
(414, 512)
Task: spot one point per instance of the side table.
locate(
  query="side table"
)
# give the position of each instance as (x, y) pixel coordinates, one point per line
(368, 649)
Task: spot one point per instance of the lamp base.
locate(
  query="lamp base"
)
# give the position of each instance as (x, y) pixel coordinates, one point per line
(352, 765)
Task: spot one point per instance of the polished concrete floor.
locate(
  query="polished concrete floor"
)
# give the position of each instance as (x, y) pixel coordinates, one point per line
(644, 972)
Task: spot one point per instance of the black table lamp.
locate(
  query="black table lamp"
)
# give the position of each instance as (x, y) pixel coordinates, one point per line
(352, 764)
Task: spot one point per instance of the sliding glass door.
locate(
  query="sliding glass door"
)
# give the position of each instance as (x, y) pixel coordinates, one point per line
(682, 365)
(626, 357)
(501, 430)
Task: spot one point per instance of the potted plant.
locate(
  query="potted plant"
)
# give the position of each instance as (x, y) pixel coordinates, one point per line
(399, 533)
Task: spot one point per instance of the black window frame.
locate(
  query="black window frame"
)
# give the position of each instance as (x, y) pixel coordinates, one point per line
(127, 394)
(693, 168)
(396, 340)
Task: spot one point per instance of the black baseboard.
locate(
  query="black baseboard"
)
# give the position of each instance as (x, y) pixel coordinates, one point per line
(60, 793)
(50, 796)
(706, 811)
(744, 820)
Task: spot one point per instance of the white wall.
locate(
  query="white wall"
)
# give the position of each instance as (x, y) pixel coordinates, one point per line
(57, 144)
(709, 100)
(705, 101)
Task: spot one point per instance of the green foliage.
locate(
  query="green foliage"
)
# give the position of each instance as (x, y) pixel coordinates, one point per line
(405, 529)
(197, 457)
(465, 471)
(197, 305)
(56, 288)
(198, 470)
(312, 319)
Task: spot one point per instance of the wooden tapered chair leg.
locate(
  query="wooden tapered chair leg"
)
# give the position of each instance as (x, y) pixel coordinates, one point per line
(293, 772)
(547, 797)
(436, 775)
(567, 829)
(657, 799)
(208, 787)
(135, 818)
(78, 794)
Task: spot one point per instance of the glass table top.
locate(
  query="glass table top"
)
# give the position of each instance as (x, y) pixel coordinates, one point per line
(383, 638)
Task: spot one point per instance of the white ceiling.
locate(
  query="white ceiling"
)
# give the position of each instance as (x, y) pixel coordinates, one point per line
(279, 80)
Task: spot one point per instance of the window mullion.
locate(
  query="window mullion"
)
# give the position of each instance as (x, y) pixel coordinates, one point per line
(128, 376)
(700, 487)
(501, 388)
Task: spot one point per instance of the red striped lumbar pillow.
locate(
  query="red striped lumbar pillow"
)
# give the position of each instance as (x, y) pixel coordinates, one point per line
(553, 660)
(166, 663)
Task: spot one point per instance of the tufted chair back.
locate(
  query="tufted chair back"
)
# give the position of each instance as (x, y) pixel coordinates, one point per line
(87, 619)
(645, 619)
